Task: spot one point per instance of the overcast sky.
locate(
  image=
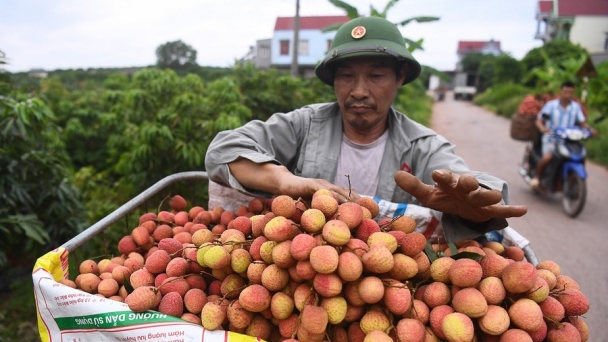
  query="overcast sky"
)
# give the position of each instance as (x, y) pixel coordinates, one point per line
(63, 34)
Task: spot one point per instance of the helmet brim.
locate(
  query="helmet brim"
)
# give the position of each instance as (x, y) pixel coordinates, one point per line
(372, 48)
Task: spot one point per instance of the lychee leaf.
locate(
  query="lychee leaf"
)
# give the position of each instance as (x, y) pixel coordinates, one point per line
(453, 249)
(430, 252)
(467, 255)
(127, 284)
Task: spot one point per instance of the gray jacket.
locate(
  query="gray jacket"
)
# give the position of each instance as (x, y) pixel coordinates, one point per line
(307, 141)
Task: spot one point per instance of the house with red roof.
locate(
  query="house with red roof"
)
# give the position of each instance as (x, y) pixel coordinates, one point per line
(583, 22)
(313, 43)
(491, 47)
(461, 80)
(277, 52)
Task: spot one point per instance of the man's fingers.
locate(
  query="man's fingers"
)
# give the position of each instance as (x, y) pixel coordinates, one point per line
(344, 195)
(412, 185)
(341, 197)
(444, 178)
(507, 211)
(517, 210)
(467, 183)
(484, 198)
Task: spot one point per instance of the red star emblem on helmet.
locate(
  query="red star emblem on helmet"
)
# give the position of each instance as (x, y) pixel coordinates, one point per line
(358, 32)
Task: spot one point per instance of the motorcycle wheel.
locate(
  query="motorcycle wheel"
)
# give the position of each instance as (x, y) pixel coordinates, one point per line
(574, 194)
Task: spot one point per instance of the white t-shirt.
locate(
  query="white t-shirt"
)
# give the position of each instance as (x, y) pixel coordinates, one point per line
(361, 162)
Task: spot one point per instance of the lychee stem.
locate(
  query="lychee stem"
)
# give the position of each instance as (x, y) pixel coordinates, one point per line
(349, 187)
(163, 201)
(233, 243)
(164, 222)
(312, 290)
(174, 279)
(300, 199)
(209, 274)
(388, 283)
(177, 251)
(387, 225)
(552, 321)
(240, 288)
(423, 282)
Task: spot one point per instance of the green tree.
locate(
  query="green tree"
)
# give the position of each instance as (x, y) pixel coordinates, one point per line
(5, 79)
(472, 61)
(550, 75)
(556, 50)
(485, 72)
(40, 208)
(54, 94)
(500, 69)
(266, 92)
(176, 55)
(158, 125)
(116, 82)
(598, 89)
(507, 69)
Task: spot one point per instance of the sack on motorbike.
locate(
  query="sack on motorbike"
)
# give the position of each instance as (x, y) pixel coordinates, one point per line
(523, 127)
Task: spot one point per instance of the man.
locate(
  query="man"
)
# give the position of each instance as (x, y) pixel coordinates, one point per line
(383, 153)
(561, 112)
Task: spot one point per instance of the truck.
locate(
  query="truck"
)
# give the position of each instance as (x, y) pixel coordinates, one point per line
(464, 86)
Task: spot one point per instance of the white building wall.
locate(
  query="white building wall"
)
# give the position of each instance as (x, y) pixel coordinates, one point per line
(434, 82)
(317, 46)
(590, 32)
(491, 50)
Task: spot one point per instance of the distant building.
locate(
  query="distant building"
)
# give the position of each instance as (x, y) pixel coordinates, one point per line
(491, 47)
(39, 73)
(583, 22)
(259, 55)
(277, 52)
(458, 77)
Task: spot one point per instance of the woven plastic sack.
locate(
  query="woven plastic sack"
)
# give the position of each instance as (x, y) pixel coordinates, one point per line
(67, 314)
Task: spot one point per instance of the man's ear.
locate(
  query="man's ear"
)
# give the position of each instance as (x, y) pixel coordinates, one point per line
(401, 73)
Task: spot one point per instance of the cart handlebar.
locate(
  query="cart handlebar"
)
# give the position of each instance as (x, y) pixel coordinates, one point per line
(138, 200)
(117, 214)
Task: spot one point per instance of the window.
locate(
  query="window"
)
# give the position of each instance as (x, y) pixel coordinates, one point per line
(606, 42)
(284, 51)
(329, 41)
(303, 48)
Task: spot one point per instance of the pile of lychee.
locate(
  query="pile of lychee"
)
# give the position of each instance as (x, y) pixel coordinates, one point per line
(288, 270)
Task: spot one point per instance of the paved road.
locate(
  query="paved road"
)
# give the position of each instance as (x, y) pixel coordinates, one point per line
(577, 245)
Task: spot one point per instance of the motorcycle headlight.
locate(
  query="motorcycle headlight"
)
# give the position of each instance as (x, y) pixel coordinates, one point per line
(574, 134)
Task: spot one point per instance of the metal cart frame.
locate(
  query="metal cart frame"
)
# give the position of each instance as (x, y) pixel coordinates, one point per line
(140, 199)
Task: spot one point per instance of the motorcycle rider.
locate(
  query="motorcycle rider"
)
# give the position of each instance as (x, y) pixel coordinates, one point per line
(561, 112)
(440, 91)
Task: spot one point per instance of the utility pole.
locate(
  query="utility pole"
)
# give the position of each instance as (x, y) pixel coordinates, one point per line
(296, 41)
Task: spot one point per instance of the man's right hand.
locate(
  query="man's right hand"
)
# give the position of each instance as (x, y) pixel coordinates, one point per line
(460, 195)
(297, 187)
(278, 180)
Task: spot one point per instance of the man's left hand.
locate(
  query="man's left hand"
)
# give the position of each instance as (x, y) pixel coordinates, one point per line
(459, 195)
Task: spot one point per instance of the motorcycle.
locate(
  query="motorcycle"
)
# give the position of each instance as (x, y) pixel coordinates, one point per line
(440, 96)
(566, 173)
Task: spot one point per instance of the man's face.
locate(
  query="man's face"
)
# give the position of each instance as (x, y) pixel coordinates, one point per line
(365, 88)
(566, 93)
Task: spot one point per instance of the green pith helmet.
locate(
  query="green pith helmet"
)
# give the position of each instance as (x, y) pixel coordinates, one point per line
(367, 36)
